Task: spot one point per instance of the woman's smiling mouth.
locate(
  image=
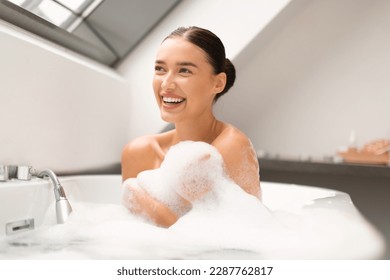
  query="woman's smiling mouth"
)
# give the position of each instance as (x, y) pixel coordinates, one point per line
(172, 100)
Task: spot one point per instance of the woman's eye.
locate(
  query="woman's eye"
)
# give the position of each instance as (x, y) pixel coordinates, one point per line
(185, 71)
(158, 69)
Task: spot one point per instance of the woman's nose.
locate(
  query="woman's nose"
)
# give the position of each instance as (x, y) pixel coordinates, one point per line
(168, 82)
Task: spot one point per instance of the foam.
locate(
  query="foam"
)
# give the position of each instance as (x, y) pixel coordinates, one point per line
(189, 171)
(223, 222)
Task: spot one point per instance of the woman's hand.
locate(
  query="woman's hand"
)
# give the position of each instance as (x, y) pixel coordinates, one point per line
(139, 202)
(132, 196)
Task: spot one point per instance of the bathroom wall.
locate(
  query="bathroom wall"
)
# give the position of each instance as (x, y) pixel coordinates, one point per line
(58, 110)
(317, 72)
(309, 72)
(236, 22)
(62, 111)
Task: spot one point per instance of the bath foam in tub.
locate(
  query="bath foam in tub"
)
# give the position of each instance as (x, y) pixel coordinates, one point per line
(222, 216)
(223, 222)
(193, 171)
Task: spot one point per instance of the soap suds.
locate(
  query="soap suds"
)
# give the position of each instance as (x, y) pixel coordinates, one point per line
(223, 222)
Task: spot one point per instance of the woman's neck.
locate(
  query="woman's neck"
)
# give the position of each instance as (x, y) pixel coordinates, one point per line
(202, 129)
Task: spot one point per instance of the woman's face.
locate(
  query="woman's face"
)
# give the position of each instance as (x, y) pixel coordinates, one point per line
(184, 82)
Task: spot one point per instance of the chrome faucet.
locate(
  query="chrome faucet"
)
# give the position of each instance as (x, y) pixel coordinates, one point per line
(63, 208)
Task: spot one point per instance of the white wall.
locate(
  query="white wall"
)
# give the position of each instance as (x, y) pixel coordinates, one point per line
(305, 79)
(58, 110)
(62, 111)
(320, 70)
(236, 22)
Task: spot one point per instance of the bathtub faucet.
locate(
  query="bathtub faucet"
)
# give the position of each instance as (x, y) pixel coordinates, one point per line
(63, 208)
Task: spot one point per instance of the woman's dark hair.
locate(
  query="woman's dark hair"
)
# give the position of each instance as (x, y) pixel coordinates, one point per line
(214, 49)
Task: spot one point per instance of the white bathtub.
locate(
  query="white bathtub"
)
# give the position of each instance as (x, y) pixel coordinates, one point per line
(23, 206)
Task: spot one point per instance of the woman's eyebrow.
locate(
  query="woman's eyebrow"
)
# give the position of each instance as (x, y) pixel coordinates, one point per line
(184, 63)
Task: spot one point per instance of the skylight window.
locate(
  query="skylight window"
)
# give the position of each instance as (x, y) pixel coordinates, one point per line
(104, 30)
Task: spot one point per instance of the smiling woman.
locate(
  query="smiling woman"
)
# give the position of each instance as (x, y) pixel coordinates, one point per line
(191, 72)
(183, 73)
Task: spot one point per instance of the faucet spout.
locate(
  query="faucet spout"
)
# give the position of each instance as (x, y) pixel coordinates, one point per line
(63, 208)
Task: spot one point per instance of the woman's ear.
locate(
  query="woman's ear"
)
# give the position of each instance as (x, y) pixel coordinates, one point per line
(220, 82)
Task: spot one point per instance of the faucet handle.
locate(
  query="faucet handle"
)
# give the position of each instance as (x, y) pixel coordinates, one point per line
(4, 173)
(24, 172)
(20, 172)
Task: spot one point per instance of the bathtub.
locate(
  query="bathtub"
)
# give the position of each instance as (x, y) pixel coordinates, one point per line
(27, 208)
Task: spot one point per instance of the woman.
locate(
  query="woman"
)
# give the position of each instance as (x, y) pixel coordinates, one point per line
(191, 73)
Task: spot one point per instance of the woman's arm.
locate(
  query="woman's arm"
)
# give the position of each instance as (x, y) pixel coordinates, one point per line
(138, 201)
(137, 156)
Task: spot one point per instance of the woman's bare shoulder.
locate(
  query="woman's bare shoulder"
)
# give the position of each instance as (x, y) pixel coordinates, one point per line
(240, 158)
(140, 145)
(142, 153)
(232, 137)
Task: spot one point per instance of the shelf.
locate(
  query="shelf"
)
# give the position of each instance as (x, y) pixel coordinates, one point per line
(323, 167)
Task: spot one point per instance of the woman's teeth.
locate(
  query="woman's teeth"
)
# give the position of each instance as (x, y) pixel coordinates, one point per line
(172, 100)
